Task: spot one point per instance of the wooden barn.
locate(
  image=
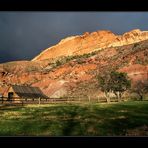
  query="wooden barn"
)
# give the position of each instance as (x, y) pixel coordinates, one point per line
(16, 92)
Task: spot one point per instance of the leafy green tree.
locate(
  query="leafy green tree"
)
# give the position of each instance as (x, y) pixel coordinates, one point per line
(104, 81)
(115, 82)
(119, 83)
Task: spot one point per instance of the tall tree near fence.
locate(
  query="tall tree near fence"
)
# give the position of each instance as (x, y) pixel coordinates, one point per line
(116, 82)
(104, 85)
(119, 84)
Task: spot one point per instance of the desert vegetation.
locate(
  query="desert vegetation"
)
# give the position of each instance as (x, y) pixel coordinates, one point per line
(78, 58)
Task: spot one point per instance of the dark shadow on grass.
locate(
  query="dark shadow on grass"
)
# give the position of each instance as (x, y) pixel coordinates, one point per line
(77, 120)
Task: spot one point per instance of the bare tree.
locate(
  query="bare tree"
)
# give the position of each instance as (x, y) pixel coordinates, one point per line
(141, 88)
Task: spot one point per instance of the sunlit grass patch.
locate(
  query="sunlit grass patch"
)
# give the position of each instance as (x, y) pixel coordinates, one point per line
(73, 119)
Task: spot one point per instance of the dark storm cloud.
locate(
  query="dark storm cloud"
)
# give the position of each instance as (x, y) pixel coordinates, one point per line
(25, 34)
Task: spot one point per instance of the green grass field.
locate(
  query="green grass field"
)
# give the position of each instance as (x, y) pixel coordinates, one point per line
(89, 119)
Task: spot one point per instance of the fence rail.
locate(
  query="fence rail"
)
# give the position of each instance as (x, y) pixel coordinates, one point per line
(23, 101)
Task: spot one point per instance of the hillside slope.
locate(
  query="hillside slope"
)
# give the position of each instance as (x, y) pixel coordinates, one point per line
(75, 75)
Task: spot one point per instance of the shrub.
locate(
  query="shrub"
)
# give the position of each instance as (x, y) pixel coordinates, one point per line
(31, 68)
(135, 45)
(58, 63)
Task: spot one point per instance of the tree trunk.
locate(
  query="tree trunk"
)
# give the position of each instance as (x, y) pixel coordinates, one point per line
(107, 97)
(118, 95)
(108, 100)
(141, 97)
(118, 98)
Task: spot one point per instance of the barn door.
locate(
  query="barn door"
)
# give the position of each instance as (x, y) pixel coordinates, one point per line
(10, 96)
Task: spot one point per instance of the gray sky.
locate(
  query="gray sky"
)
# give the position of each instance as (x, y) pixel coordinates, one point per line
(23, 35)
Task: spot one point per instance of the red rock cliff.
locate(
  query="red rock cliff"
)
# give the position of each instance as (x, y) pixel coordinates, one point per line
(89, 42)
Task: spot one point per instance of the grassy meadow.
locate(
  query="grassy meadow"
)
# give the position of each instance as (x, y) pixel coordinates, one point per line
(71, 119)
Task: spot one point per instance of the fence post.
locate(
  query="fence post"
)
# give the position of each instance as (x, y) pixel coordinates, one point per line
(39, 100)
(89, 98)
(98, 99)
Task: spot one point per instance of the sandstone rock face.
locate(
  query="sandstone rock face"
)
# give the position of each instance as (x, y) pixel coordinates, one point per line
(89, 42)
(136, 72)
(85, 43)
(77, 77)
(130, 37)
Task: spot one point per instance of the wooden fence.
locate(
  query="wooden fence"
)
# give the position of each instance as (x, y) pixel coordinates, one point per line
(24, 101)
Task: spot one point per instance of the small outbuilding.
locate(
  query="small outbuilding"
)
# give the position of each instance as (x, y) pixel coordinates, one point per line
(28, 92)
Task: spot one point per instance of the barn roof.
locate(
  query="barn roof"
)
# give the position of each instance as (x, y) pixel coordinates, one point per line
(28, 92)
